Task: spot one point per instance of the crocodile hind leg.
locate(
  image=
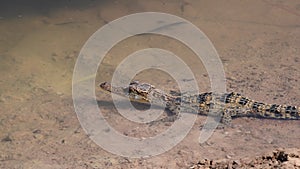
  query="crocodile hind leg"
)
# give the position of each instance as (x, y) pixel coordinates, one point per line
(231, 112)
(219, 119)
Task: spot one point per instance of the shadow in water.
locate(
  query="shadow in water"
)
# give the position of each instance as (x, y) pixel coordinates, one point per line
(124, 105)
(137, 105)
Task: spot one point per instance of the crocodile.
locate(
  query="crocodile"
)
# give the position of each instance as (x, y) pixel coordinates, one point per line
(227, 105)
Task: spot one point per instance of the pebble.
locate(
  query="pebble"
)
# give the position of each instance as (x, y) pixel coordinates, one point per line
(270, 140)
(38, 136)
(37, 131)
(236, 162)
(228, 156)
(208, 143)
(247, 132)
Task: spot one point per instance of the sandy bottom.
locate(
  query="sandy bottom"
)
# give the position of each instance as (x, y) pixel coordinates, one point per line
(258, 43)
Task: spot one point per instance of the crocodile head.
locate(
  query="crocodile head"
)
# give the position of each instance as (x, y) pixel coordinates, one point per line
(135, 91)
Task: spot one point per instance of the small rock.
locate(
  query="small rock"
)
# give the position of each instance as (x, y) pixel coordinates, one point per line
(203, 162)
(228, 156)
(209, 143)
(7, 139)
(247, 132)
(38, 136)
(236, 162)
(270, 140)
(37, 131)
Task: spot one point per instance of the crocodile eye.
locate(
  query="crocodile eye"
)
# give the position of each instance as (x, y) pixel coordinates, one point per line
(144, 87)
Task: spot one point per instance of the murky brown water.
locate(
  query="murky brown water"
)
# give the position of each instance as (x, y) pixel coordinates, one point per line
(258, 43)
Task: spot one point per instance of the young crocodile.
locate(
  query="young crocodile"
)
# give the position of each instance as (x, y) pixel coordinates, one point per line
(227, 105)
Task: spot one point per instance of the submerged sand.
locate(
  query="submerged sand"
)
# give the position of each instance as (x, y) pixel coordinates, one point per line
(258, 43)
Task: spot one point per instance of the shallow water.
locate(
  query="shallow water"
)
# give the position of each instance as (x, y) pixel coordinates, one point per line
(258, 43)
